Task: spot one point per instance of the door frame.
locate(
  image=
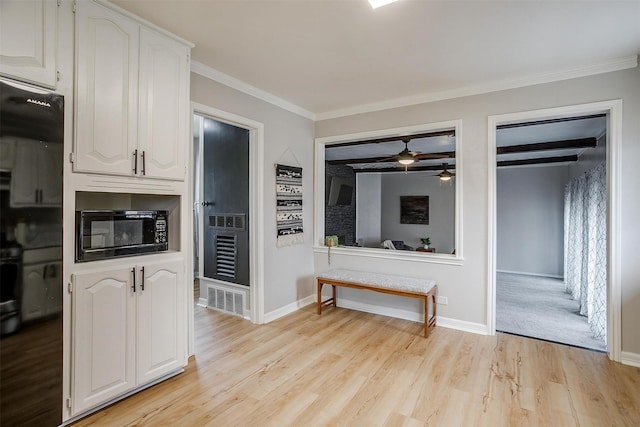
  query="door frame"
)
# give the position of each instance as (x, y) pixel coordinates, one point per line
(256, 210)
(613, 109)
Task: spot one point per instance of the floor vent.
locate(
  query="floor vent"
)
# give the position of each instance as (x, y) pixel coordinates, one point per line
(226, 300)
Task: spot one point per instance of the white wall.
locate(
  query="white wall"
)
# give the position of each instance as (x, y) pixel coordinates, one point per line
(466, 285)
(530, 219)
(288, 271)
(441, 228)
(368, 209)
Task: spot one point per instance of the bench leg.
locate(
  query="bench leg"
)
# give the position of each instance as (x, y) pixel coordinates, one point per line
(426, 316)
(333, 294)
(319, 297)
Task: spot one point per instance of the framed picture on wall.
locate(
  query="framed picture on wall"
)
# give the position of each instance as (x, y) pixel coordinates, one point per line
(414, 210)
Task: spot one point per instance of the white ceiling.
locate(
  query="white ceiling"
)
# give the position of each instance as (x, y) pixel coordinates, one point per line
(334, 55)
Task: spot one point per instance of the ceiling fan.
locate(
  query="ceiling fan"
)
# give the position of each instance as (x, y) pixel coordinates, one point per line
(406, 157)
(445, 175)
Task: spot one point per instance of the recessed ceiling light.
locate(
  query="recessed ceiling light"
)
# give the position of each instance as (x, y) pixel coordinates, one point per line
(377, 3)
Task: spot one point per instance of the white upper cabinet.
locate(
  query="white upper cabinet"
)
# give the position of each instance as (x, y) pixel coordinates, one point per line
(107, 90)
(28, 40)
(133, 97)
(164, 104)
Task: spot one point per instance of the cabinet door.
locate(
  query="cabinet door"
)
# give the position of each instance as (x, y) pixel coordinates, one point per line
(164, 105)
(160, 320)
(28, 34)
(103, 337)
(50, 174)
(34, 291)
(24, 178)
(107, 90)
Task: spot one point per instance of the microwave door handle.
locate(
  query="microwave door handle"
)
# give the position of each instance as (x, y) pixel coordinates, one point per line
(133, 273)
(142, 275)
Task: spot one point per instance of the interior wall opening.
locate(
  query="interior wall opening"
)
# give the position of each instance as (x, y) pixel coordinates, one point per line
(551, 229)
(221, 213)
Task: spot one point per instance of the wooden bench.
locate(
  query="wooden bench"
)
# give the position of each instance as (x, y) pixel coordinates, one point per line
(425, 289)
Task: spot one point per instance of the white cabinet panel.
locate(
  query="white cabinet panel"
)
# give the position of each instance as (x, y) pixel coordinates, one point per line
(164, 104)
(28, 33)
(160, 320)
(124, 338)
(133, 97)
(104, 339)
(107, 90)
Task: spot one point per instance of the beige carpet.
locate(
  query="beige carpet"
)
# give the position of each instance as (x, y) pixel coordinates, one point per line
(539, 307)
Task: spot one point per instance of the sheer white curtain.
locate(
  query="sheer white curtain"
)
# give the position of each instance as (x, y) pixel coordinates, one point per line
(585, 244)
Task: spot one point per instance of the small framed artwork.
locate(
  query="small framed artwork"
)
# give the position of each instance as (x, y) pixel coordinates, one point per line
(414, 210)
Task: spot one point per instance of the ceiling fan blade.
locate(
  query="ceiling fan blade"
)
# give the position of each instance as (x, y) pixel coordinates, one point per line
(428, 156)
(386, 160)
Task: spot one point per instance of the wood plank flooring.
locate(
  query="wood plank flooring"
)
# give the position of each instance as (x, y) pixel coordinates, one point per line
(348, 368)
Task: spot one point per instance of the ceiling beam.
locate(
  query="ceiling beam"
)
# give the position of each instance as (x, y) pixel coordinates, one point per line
(421, 156)
(450, 132)
(409, 169)
(548, 121)
(538, 161)
(545, 146)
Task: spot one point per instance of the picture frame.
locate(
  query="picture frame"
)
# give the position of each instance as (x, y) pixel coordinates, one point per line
(414, 210)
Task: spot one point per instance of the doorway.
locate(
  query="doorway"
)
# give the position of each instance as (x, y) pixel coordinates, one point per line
(610, 112)
(227, 210)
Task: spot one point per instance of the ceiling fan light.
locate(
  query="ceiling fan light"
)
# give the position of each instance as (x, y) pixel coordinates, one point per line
(444, 178)
(406, 160)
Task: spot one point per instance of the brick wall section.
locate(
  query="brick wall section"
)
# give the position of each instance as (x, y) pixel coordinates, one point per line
(340, 220)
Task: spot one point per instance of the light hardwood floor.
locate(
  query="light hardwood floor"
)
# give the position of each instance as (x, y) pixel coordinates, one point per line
(355, 369)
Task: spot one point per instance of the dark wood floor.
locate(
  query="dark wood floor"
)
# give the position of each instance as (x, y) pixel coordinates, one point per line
(31, 375)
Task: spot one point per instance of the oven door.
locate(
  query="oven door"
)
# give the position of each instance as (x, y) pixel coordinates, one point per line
(107, 234)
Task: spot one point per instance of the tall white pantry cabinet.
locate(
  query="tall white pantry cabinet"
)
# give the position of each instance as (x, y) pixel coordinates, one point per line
(132, 119)
(127, 131)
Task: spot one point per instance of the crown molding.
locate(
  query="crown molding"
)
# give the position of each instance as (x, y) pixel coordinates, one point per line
(232, 82)
(600, 68)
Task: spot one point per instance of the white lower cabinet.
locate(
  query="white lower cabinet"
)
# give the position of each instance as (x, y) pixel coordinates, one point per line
(128, 329)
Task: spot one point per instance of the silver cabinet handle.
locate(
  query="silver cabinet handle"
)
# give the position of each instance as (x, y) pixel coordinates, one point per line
(133, 272)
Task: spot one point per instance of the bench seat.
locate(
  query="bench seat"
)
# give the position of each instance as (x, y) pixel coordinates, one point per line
(425, 289)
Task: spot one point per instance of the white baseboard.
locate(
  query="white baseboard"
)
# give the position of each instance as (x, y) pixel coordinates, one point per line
(288, 309)
(202, 302)
(445, 322)
(523, 273)
(631, 359)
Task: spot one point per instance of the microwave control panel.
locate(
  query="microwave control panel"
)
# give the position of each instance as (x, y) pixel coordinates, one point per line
(161, 229)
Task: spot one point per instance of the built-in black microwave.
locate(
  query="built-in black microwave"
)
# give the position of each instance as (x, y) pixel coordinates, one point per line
(102, 234)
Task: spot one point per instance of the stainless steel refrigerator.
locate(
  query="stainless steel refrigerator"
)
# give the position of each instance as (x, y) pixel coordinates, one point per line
(31, 151)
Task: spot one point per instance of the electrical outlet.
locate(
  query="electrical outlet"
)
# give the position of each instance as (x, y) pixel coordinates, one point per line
(442, 300)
